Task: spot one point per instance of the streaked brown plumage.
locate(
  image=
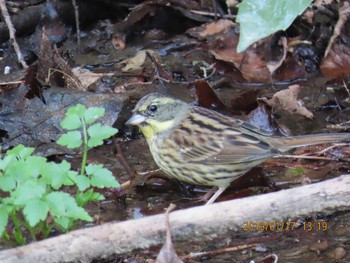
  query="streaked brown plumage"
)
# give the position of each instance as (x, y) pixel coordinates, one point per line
(203, 147)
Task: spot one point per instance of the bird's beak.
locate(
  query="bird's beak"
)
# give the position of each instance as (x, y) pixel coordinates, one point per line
(136, 119)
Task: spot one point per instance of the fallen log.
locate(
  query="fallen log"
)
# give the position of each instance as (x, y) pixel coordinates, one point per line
(197, 223)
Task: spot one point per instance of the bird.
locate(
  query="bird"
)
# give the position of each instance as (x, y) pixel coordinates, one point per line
(203, 147)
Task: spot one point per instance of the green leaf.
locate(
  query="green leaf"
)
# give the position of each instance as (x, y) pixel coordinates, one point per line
(20, 151)
(64, 222)
(96, 197)
(57, 174)
(35, 210)
(261, 18)
(63, 205)
(70, 178)
(7, 183)
(71, 122)
(93, 113)
(3, 218)
(298, 171)
(18, 170)
(88, 196)
(8, 202)
(100, 176)
(82, 182)
(71, 139)
(98, 133)
(6, 161)
(78, 109)
(35, 164)
(25, 169)
(27, 191)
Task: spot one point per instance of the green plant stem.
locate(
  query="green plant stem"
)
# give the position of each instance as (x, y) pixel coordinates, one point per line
(31, 230)
(20, 240)
(46, 230)
(6, 236)
(85, 149)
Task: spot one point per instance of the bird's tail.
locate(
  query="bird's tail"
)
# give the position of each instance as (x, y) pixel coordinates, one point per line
(288, 143)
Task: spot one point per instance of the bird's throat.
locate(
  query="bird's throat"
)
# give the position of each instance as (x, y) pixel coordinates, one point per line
(153, 127)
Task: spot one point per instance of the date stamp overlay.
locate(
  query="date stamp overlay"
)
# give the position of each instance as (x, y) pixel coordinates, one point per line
(285, 226)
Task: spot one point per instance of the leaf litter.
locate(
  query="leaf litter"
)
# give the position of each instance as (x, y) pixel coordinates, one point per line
(113, 52)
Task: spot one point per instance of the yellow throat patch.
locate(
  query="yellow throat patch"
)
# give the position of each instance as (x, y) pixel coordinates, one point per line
(154, 127)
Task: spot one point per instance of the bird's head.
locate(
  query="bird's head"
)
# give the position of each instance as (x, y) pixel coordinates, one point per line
(156, 113)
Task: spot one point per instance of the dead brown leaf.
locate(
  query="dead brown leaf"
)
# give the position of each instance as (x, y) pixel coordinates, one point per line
(250, 63)
(337, 61)
(168, 254)
(137, 61)
(72, 81)
(288, 100)
(85, 76)
(337, 54)
(207, 96)
(344, 12)
(258, 62)
(215, 27)
(274, 65)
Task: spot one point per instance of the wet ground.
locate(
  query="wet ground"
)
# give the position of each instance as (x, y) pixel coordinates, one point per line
(178, 56)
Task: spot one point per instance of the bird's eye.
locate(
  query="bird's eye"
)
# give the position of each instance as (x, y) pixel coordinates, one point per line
(152, 108)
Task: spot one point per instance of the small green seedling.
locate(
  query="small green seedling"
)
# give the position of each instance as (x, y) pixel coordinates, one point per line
(31, 199)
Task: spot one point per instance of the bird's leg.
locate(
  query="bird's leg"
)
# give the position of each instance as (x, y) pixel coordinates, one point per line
(216, 195)
(207, 196)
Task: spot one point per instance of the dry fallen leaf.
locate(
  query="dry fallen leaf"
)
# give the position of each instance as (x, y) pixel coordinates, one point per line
(168, 254)
(85, 76)
(344, 12)
(137, 61)
(215, 27)
(274, 65)
(337, 54)
(288, 100)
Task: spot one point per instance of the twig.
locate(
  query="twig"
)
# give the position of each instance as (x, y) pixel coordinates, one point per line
(121, 158)
(218, 251)
(120, 89)
(10, 83)
(12, 32)
(157, 67)
(346, 88)
(331, 147)
(133, 175)
(203, 13)
(309, 157)
(76, 13)
(306, 157)
(290, 165)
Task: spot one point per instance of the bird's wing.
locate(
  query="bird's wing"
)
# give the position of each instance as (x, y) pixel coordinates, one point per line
(242, 147)
(219, 139)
